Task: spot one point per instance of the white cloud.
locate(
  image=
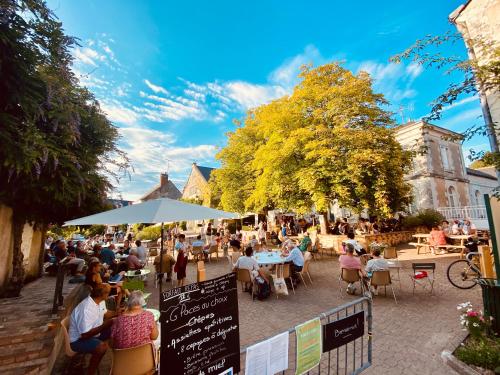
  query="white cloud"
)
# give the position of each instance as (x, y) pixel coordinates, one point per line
(85, 56)
(414, 70)
(118, 112)
(286, 75)
(152, 152)
(464, 119)
(459, 103)
(393, 80)
(249, 95)
(155, 88)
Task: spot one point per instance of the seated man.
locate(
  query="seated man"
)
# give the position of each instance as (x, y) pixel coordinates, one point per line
(90, 326)
(305, 242)
(376, 264)
(108, 255)
(469, 228)
(357, 247)
(249, 263)
(297, 261)
(198, 242)
(60, 253)
(455, 228)
(133, 263)
(350, 262)
(167, 265)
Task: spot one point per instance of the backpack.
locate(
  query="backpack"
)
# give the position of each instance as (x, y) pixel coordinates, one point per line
(264, 290)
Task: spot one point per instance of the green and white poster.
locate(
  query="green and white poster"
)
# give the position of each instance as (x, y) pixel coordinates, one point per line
(309, 346)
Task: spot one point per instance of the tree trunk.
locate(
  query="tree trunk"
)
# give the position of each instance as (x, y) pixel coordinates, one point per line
(41, 256)
(15, 283)
(323, 222)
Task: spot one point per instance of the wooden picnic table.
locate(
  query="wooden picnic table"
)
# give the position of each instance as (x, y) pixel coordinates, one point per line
(423, 243)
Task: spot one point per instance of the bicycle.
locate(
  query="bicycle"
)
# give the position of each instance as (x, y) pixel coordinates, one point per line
(463, 273)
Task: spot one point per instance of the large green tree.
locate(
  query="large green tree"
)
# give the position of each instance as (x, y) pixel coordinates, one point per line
(55, 142)
(330, 139)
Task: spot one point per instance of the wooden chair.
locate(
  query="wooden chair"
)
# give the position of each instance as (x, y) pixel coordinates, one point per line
(390, 253)
(243, 276)
(139, 360)
(200, 272)
(305, 271)
(423, 267)
(214, 249)
(197, 253)
(382, 278)
(350, 276)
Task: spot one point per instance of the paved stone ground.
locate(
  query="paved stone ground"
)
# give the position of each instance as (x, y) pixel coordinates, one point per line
(408, 337)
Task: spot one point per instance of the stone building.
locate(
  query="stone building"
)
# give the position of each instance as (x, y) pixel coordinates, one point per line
(479, 20)
(165, 189)
(196, 187)
(439, 175)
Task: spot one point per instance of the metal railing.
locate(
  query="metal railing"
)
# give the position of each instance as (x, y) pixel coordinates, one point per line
(351, 358)
(465, 212)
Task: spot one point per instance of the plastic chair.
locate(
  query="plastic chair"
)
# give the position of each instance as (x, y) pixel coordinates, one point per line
(351, 276)
(214, 249)
(243, 276)
(305, 271)
(423, 267)
(390, 253)
(382, 278)
(197, 252)
(139, 360)
(287, 274)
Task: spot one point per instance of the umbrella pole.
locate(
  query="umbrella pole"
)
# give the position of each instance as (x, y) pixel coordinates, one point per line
(161, 265)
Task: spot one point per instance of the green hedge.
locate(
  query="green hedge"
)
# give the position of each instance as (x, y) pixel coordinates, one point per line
(153, 232)
(428, 218)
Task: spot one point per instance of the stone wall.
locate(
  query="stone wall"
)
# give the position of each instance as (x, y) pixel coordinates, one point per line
(333, 242)
(31, 247)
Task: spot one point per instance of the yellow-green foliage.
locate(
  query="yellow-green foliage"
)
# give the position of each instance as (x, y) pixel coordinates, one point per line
(330, 139)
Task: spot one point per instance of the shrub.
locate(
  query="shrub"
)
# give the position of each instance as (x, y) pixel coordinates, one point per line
(152, 232)
(427, 217)
(480, 351)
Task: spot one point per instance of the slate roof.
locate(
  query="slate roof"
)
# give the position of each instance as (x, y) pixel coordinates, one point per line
(205, 172)
(475, 172)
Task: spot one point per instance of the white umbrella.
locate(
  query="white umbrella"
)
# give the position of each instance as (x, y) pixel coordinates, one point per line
(163, 210)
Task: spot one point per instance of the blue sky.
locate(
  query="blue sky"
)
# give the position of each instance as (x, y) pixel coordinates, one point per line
(172, 75)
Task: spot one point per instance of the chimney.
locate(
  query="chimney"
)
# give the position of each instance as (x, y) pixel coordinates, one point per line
(163, 179)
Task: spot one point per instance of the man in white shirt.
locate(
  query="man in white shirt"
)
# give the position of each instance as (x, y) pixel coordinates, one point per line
(376, 264)
(455, 228)
(296, 259)
(469, 228)
(90, 326)
(141, 252)
(357, 247)
(249, 263)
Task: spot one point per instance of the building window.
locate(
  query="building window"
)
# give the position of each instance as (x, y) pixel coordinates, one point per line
(445, 158)
(479, 198)
(452, 197)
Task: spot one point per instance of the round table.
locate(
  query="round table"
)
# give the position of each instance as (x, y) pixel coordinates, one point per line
(133, 274)
(269, 258)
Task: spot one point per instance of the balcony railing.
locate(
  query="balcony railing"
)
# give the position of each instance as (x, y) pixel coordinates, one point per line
(465, 212)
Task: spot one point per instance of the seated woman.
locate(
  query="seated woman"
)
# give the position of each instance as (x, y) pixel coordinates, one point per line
(93, 278)
(437, 238)
(135, 326)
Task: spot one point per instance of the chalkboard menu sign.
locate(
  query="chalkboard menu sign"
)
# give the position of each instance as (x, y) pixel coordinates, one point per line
(343, 331)
(200, 329)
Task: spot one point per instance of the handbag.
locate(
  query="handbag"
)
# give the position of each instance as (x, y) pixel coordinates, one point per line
(280, 287)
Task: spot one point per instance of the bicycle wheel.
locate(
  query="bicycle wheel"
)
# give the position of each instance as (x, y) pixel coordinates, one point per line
(462, 274)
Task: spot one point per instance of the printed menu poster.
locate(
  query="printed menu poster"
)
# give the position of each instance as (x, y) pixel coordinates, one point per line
(200, 328)
(268, 357)
(308, 345)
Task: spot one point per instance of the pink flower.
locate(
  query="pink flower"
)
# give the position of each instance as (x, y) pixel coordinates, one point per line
(472, 314)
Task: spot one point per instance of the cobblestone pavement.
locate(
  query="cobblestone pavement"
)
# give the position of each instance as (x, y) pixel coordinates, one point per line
(408, 337)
